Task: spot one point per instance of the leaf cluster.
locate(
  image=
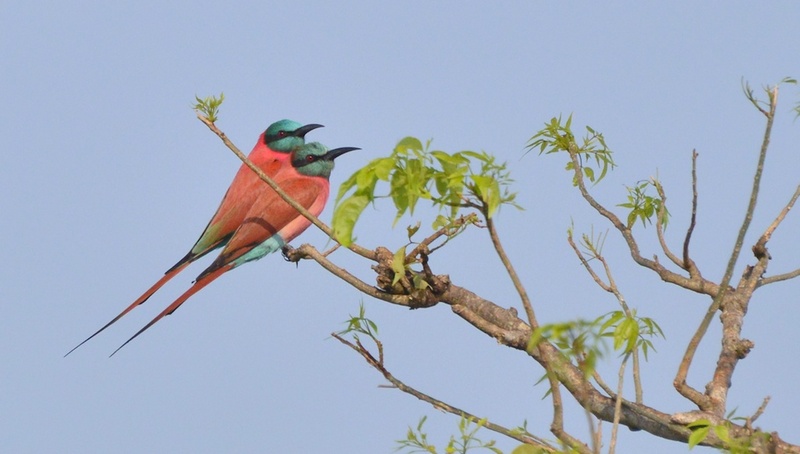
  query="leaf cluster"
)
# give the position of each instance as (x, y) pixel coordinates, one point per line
(735, 445)
(629, 332)
(643, 206)
(449, 181)
(417, 440)
(579, 341)
(360, 324)
(209, 106)
(557, 137)
(582, 341)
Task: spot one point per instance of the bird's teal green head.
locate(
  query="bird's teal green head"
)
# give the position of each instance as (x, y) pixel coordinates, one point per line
(315, 160)
(286, 135)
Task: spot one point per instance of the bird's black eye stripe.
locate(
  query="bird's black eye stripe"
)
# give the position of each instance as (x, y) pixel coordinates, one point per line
(300, 162)
(273, 137)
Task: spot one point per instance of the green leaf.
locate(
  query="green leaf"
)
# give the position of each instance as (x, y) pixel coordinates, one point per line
(420, 282)
(527, 449)
(382, 167)
(451, 182)
(489, 192)
(400, 194)
(440, 222)
(557, 137)
(399, 264)
(345, 216)
(613, 318)
(723, 433)
(698, 435)
(412, 230)
(408, 144)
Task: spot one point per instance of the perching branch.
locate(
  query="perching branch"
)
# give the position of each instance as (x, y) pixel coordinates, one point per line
(306, 251)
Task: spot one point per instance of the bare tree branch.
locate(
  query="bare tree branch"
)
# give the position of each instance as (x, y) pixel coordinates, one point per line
(660, 220)
(760, 247)
(688, 264)
(779, 277)
(749, 423)
(617, 406)
(441, 405)
(310, 252)
(596, 434)
(733, 348)
(557, 426)
(523, 294)
(611, 287)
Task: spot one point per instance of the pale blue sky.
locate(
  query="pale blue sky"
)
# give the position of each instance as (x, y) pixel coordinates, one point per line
(108, 178)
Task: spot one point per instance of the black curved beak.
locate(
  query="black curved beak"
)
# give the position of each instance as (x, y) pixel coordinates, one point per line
(336, 152)
(303, 130)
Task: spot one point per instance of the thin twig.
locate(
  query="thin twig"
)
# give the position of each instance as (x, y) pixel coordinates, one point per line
(423, 245)
(523, 294)
(765, 237)
(779, 277)
(603, 385)
(617, 406)
(598, 437)
(595, 435)
(587, 266)
(688, 264)
(611, 287)
(441, 405)
(760, 246)
(557, 426)
(637, 378)
(760, 411)
(660, 217)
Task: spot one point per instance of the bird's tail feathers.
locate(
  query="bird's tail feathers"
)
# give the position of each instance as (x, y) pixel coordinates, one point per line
(164, 279)
(196, 287)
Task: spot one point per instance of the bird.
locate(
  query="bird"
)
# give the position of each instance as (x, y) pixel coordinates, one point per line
(271, 223)
(271, 154)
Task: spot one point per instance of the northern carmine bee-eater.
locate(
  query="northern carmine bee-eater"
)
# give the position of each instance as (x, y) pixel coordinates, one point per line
(238, 207)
